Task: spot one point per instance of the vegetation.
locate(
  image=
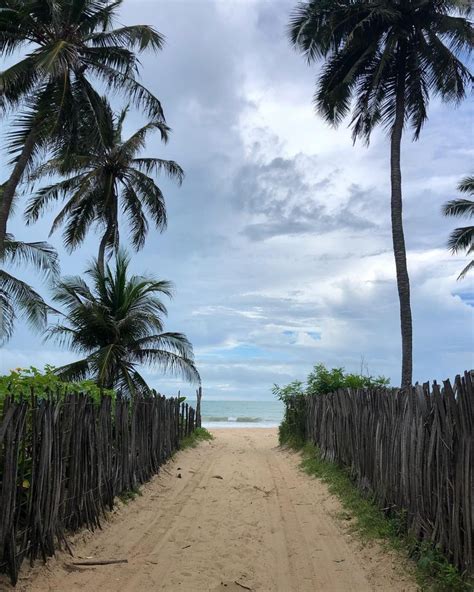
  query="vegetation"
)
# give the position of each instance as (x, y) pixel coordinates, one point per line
(61, 127)
(199, 435)
(22, 381)
(16, 296)
(102, 180)
(69, 43)
(118, 324)
(433, 571)
(292, 429)
(320, 381)
(382, 61)
(129, 495)
(462, 239)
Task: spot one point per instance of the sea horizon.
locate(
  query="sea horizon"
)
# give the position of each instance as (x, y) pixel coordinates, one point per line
(240, 414)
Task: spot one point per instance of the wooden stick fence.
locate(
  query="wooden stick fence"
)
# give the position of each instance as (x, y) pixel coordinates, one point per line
(63, 460)
(413, 450)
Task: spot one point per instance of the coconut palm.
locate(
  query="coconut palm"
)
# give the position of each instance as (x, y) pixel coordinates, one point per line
(117, 325)
(102, 181)
(68, 44)
(462, 239)
(382, 61)
(16, 296)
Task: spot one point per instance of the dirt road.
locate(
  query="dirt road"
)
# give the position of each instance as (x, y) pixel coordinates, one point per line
(241, 517)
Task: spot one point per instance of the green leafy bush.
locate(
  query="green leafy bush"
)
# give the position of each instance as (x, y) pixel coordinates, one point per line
(21, 381)
(320, 381)
(292, 430)
(197, 436)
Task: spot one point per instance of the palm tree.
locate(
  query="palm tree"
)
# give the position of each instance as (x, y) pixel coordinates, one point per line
(16, 296)
(462, 239)
(100, 182)
(69, 42)
(117, 325)
(382, 61)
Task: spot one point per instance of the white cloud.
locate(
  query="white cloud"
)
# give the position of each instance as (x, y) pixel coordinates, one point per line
(281, 231)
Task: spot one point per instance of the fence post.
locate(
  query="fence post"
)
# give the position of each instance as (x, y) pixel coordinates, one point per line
(198, 407)
(80, 454)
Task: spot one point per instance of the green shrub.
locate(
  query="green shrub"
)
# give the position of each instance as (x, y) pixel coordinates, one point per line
(198, 435)
(320, 381)
(292, 430)
(21, 381)
(433, 571)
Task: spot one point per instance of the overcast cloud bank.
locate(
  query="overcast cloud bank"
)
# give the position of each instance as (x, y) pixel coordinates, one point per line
(279, 241)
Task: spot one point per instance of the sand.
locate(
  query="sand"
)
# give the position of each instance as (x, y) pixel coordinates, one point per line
(242, 516)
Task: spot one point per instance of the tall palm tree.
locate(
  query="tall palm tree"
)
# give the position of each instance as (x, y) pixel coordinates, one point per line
(383, 59)
(116, 325)
(103, 180)
(68, 44)
(16, 296)
(462, 239)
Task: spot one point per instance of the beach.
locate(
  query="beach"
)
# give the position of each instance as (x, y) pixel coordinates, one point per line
(235, 514)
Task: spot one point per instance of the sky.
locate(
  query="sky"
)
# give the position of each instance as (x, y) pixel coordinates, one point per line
(279, 239)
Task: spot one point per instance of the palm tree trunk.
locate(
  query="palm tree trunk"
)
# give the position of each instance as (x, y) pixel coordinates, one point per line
(102, 247)
(108, 235)
(111, 209)
(11, 186)
(403, 282)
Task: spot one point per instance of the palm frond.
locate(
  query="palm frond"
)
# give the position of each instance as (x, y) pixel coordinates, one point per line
(155, 166)
(139, 95)
(459, 207)
(41, 200)
(168, 362)
(136, 218)
(138, 37)
(467, 185)
(80, 219)
(68, 44)
(30, 304)
(468, 268)
(114, 324)
(75, 371)
(137, 141)
(174, 342)
(461, 239)
(368, 46)
(140, 385)
(151, 196)
(7, 317)
(101, 18)
(39, 254)
(120, 59)
(18, 82)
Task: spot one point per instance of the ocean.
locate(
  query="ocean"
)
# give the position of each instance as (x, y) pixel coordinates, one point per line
(241, 414)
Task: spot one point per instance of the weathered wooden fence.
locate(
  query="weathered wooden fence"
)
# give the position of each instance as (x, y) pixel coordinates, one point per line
(413, 450)
(63, 460)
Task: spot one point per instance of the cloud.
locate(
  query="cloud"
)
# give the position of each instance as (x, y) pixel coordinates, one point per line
(287, 196)
(279, 240)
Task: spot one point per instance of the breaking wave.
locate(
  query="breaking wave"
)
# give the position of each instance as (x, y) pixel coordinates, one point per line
(232, 419)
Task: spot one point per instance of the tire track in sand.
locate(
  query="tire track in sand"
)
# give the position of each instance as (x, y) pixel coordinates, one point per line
(263, 524)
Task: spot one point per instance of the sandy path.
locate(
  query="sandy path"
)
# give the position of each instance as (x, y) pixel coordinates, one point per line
(242, 516)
